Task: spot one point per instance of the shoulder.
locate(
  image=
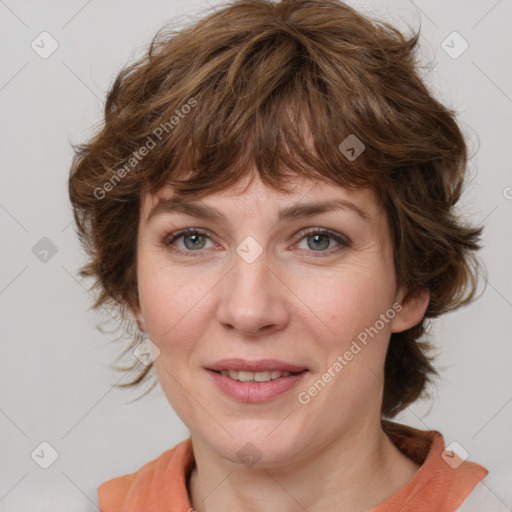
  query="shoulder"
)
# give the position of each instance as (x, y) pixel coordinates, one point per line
(492, 494)
(114, 494)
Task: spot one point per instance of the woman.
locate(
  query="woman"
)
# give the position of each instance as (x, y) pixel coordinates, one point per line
(272, 199)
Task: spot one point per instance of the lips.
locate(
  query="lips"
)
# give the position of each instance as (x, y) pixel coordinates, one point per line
(252, 392)
(260, 365)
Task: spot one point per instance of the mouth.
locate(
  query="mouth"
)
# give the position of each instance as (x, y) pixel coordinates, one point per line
(262, 376)
(257, 385)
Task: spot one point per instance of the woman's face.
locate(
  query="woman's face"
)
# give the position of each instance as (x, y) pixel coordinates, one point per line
(272, 280)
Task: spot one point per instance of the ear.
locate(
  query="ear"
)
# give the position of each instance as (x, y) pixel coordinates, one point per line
(414, 305)
(136, 312)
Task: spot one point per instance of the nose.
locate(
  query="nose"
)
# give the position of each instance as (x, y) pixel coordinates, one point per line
(255, 298)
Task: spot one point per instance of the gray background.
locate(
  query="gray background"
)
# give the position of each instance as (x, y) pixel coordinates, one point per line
(56, 385)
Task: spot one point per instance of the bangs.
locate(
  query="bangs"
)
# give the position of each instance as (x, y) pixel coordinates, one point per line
(268, 112)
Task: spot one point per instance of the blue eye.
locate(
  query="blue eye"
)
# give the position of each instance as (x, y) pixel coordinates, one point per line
(193, 239)
(318, 240)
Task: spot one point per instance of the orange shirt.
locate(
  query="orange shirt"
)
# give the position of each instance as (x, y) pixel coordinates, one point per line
(441, 484)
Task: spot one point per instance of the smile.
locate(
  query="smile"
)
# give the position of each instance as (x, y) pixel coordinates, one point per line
(246, 376)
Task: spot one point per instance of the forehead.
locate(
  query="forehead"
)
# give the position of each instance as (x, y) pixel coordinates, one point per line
(303, 196)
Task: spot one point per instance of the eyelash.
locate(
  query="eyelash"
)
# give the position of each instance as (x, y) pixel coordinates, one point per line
(344, 242)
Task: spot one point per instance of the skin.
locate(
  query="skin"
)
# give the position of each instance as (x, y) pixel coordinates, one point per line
(298, 303)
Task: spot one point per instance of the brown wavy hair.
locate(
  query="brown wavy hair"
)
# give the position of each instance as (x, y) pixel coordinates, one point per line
(278, 87)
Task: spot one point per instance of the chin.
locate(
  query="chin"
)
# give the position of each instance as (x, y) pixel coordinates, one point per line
(258, 449)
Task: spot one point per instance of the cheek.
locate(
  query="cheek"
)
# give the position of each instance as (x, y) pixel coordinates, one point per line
(351, 338)
(172, 301)
(347, 302)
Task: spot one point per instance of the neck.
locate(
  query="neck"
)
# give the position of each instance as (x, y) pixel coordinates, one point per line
(359, 470)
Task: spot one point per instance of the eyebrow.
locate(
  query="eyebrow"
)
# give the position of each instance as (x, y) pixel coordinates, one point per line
(296, 211)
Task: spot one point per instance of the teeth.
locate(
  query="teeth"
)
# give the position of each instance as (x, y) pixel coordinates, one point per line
(244, 376)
